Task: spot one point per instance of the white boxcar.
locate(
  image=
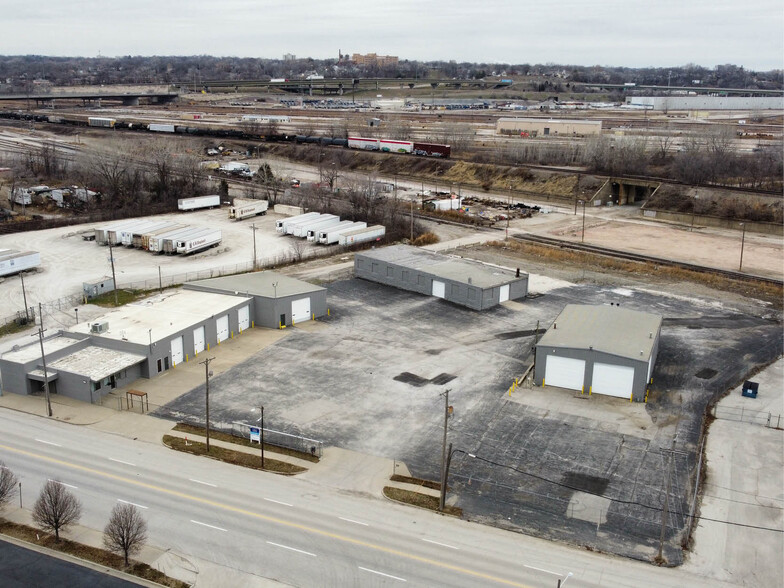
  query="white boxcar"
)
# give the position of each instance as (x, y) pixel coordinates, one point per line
(198, 202)
(282, 225)
(161, 128)
(364, 143)
(373, 233)
(396, 146)
(332, 234)
(198, 242)
(97, 121)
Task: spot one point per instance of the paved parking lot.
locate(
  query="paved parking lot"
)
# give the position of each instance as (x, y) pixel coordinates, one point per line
(369, 379)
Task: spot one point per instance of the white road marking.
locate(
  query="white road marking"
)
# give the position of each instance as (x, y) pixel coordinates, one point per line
(382, 574)
(48, 442)
(131, 503)
(63, 484)
(278, 502)
(292, 549)
(123, 462)
(210, 526)
(205, 483)
(441, 544)
(542, 570)
(353, 521)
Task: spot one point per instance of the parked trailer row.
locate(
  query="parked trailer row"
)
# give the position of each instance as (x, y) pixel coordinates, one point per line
(325, 220)
(241, 209)
(281, 226)
(13, 261)
(198, 202)
(159, 236)
(332, 235)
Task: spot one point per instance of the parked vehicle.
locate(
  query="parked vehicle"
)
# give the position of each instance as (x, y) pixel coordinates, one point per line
(234, 167)
(13, 262)
(282, 225)
(325, 220)
(374, 233)
(198, 202)
(247, 208)
(169, 242)
(331, 235)
(210, 238)
(155, 242)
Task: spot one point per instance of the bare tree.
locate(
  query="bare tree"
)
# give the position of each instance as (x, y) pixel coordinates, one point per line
(298, 247)
(56, 508)
(126, 530)
(8, 484)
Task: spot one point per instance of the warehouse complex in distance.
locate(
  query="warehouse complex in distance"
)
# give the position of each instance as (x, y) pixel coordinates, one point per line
(599, 350)
(151, 336)
(465, 282)
(541, 127)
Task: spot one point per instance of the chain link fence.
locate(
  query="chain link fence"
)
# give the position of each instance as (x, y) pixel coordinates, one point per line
(757, 417)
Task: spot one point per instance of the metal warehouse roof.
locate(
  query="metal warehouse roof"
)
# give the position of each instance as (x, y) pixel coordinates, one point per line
(610, 329)
(257, 284)
(161, 316)
(465, 271)
(96, 363)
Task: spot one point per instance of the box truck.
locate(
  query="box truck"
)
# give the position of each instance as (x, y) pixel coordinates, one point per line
(373, 233)
(198, 202)
(332, 234)
(247, 208)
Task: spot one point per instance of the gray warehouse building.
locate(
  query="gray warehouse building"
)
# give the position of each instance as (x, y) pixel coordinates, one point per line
(600, 350)
(154, 335)
(465, 282)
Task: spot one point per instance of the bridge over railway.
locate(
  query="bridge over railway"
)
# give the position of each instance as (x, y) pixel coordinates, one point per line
(94, 98)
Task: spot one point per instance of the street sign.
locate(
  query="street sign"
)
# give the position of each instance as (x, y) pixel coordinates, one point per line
(255, 435)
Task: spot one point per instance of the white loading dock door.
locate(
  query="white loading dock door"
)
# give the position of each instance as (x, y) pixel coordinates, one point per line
(504, 296)
(176, 351)
(222, 324)
(439, 289)
(300, 310)
(243, 316)
(564, 372)
(198, 340)
(612, 380)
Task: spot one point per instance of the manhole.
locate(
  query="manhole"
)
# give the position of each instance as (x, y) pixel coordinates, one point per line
(706, 374)
(585, 482)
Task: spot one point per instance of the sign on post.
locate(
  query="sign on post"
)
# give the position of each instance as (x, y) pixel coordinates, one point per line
(255, 435)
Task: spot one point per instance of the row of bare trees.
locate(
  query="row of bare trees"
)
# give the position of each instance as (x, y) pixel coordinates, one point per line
(57, 507)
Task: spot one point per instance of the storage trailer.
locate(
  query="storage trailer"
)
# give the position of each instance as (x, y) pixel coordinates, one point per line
(247, 208)
(155, 243)
(126, 236)
(365, 235)
(210, 238)
(145, 241)
(169, 243)
(291, 227)
(13, 262)
(198, 202)
(325, 220)
(332, 234)
(114, 235)
(137, 237)
(281, 225)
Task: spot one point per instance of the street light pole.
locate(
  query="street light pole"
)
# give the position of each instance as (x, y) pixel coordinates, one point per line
(742, 243)
(207, 374)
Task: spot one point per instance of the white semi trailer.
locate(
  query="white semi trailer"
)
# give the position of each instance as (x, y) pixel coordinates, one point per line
(169, 243)
(325, 220)
(247, 208)
(210, 238)
(198, 202)
(13, 262)
(365, 235)
(281, 225)
(155, 242)
(332, 235)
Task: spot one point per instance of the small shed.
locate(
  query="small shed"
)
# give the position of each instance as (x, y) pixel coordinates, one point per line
(97, 287)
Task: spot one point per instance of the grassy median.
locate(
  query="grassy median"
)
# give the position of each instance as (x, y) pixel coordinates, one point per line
(421, 500)
(239, 458)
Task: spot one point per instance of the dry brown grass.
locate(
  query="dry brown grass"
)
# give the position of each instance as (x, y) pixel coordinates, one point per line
(420, 500)
(221, 436)
(418, 481)
(86, 552)
(425, 239)
(239, 458)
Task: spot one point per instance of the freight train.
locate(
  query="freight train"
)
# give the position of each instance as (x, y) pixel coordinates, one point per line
(361, 143)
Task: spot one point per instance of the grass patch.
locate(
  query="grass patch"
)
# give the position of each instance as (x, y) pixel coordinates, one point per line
(421, 500)
(86, 552)
(123, 297)
(221, 436)
(16, 326)
(239, 458)
(418, 481)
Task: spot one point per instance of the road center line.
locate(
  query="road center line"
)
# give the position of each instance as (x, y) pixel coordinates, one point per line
(441, 544)
(278, 502)
(292, 549)
(200, 482)
(123, 462)
(542, 570)
(210, 526)
(382, 574)
(353, 521)
(63, 484)
(48, 442)
(131, 503)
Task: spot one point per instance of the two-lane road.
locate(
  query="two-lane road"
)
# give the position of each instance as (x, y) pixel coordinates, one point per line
(291, 529)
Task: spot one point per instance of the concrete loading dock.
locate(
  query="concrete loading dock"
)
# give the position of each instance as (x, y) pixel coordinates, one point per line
(469, 283)
(600, 350)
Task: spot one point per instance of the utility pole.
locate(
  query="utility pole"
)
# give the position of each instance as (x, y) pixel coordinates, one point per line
(114, 278)
(43, 360)
(261, 436)
(582, 238)
(207, 374)
(24, 297)
(665, 509)
(442, 500)
(742, 243)
(160, 280)
(412, 220)
(253, 228)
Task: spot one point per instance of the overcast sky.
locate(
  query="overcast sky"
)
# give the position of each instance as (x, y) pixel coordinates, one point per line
(633, 33)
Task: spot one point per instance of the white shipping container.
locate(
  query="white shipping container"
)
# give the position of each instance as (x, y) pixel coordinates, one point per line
(332, 234)
(198, 202)
(12, 262)
(282, 225)
(373, 233)
(247, 208)
(198, 243)
(161, 128)
(325, 220)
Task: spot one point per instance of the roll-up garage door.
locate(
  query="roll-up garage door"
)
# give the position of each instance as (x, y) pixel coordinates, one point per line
(243, 315)
(300, 310)
(564, 372)
(176, 351)
(439, 289)
(198, 340)
(504, 293)
(222, 324)
(612, 380)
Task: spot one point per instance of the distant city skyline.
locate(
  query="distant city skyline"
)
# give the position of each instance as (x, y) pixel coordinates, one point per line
(631, 33)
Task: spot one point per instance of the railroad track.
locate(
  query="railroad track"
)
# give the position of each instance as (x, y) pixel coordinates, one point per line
(561, 244)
